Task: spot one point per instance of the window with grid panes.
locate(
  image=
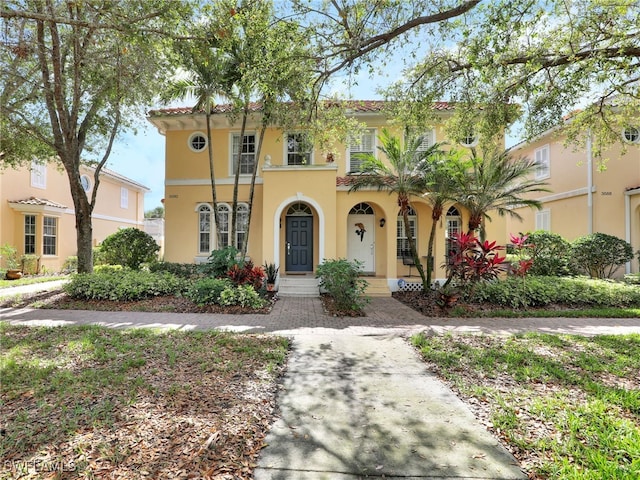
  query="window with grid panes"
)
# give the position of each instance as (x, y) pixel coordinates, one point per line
(204, 229)
(454, 224)
(402, 240)
(29, 234)
(246, 155)
(49, 235)
(298, 149)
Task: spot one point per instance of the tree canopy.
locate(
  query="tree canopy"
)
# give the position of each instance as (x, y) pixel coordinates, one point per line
(72, 74)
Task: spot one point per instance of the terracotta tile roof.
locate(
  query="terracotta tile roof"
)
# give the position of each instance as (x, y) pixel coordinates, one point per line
(39, 202)
(628, 189)
(358, 106)
(343, 181)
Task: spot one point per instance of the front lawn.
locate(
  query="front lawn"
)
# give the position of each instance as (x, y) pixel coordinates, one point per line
(29, 280)
(566, 406)
(91, 402)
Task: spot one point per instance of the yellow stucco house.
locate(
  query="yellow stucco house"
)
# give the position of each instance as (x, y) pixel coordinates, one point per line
(585, 199)
(303, 211)
(37, 215)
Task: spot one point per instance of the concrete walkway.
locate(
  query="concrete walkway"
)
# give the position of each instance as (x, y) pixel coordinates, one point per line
(356, 401)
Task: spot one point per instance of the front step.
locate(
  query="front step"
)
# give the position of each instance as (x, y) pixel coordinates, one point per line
(298, 287)
(377, 287)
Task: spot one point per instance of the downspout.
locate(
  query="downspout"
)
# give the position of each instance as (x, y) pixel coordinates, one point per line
(589, 185)
(627, 220)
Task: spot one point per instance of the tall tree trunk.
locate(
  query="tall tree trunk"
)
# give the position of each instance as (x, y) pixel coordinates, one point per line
(412, 244)
(436, 214)
(212, 176)
(236, 182)
(252, 189)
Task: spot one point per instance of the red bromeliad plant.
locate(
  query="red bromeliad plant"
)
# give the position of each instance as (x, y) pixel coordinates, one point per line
(473, 261)
(247, 274)
(522, 266)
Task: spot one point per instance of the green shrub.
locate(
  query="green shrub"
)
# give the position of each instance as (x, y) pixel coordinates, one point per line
(98, 257)
(220, 262)
(29, 264)
(130, 247)
(207, 291)
(551, 254)
(123, 285)
(184, 270)
(599, 255)
(243, 295)
(543, 291)
(632, 278)
(71, 264)
(340, 278)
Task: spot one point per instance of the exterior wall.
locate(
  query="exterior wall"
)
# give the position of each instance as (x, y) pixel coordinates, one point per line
(575, 213)
(108, 215)
(278, 187)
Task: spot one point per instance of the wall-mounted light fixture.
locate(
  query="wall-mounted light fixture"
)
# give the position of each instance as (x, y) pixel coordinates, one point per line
(382, 222)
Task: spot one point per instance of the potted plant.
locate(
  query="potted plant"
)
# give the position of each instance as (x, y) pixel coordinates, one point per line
(271, 271)
(10, 256)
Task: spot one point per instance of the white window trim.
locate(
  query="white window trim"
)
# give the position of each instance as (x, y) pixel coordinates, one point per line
(286, 149)
(431, 141)
(211, 228)
(471, 144)
(543, 170)
(86, 183)
(232, 170)
(54, 236)
(542, 217)
(228, 231)
(38, 175)
(124, 197)
(374, 150)
(33, 234)
(400, 223)
(197, 134)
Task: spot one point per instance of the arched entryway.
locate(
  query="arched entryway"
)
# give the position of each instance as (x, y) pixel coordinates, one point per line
(361, 236)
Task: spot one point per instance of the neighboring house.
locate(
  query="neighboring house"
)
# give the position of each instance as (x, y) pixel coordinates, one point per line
(155, 228)
(37, 215)
(303, 211)
(585, 199)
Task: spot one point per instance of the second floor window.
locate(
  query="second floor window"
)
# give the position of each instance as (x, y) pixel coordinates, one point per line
(359, 146)
(543, 169)
(298, 149)
(38, 174)
(124, 198)
(246, 154)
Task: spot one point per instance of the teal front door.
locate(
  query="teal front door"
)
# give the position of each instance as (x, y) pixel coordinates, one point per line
(299, 247)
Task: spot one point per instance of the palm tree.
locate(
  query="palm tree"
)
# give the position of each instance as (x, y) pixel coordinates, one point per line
(497, 182)
(209, 76)
(440, 170)
(401, 177)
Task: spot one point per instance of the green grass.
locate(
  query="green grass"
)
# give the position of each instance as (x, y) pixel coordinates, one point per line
(71, 389)
(30, 280)
(569, 405)
(595, 312)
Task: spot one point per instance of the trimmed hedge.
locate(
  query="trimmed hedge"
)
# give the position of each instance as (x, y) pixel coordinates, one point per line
(534, 291)
(123, 285)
